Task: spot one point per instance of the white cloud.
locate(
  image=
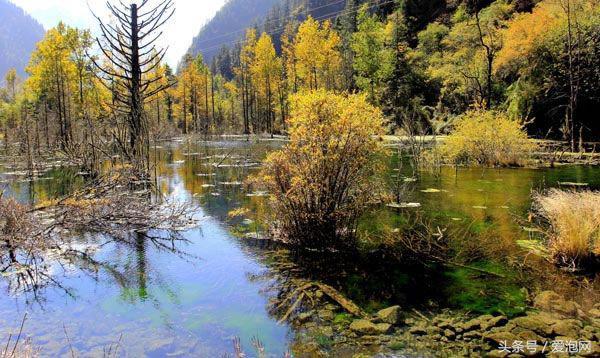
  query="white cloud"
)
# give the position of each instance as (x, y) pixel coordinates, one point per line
(189, 17)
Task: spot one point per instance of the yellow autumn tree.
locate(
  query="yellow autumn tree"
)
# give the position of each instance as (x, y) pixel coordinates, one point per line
(155, 104)
(231, 94)
(525, 30)
(317, 55)
(265, 69)
(191, 95)
(323, 179)
(243, 72)
(53, 77)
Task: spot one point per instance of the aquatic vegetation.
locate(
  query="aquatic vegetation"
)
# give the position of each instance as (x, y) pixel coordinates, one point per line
(328, 173)
(479, 292)
(573, 219)
(486, 138)
(342, 318)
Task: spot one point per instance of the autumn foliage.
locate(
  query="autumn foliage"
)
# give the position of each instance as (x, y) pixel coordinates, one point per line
(323, 179)
(487, 138)
(573, 219)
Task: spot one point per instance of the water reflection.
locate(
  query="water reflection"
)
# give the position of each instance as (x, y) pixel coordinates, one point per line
(190, 295)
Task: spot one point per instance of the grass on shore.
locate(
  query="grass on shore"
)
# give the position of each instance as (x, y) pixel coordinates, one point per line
(574, 224)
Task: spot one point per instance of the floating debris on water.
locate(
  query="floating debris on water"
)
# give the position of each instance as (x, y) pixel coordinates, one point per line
(569, 183)
(215, 194)
(480, 207)
(403, 205)
(237, 165)
(208, 185)
(431, 190)
(230, 183)
(258, 194)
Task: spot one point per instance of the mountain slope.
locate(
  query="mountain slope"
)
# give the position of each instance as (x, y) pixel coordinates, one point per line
(224, 27)
(229, 24)
(19, 33)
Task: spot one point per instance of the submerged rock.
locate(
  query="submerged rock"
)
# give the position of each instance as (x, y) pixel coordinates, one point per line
(305, 316)
(494, 322)
(475, 323)
(366, 327)
(553, 302)
(390, 315)
(418, 330)
(497, 338)
(448, 333)
(534, 323)
(326, 315)
(567, 327)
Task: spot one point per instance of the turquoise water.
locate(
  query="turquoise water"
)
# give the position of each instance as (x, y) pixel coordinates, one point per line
(193, 296)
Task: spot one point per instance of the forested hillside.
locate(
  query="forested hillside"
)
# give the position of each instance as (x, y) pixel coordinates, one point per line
(227, 28)
(426, 65)
(19, 33)
(437, 59)
(223, 28)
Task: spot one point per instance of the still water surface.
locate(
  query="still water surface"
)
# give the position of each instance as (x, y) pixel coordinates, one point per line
(194, 299)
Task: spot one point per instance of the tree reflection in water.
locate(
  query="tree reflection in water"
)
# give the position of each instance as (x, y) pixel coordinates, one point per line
(29, 271)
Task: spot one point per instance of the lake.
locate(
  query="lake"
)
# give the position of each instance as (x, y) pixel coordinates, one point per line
(194, 298)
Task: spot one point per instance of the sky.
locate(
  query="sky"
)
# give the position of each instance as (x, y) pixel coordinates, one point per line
(189, 17)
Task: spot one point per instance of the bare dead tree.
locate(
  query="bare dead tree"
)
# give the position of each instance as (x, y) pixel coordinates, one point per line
(131, 56)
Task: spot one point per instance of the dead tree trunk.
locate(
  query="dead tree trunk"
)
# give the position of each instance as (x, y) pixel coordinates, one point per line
(130, 49)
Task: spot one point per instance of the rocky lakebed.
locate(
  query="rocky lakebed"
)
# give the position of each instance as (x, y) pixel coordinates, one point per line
(553, 327)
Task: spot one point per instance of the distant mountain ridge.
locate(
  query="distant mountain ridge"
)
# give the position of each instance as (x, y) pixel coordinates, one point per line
(19, 33)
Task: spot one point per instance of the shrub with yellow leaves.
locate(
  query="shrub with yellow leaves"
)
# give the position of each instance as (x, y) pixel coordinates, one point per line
(487, 138)
(324, 178)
